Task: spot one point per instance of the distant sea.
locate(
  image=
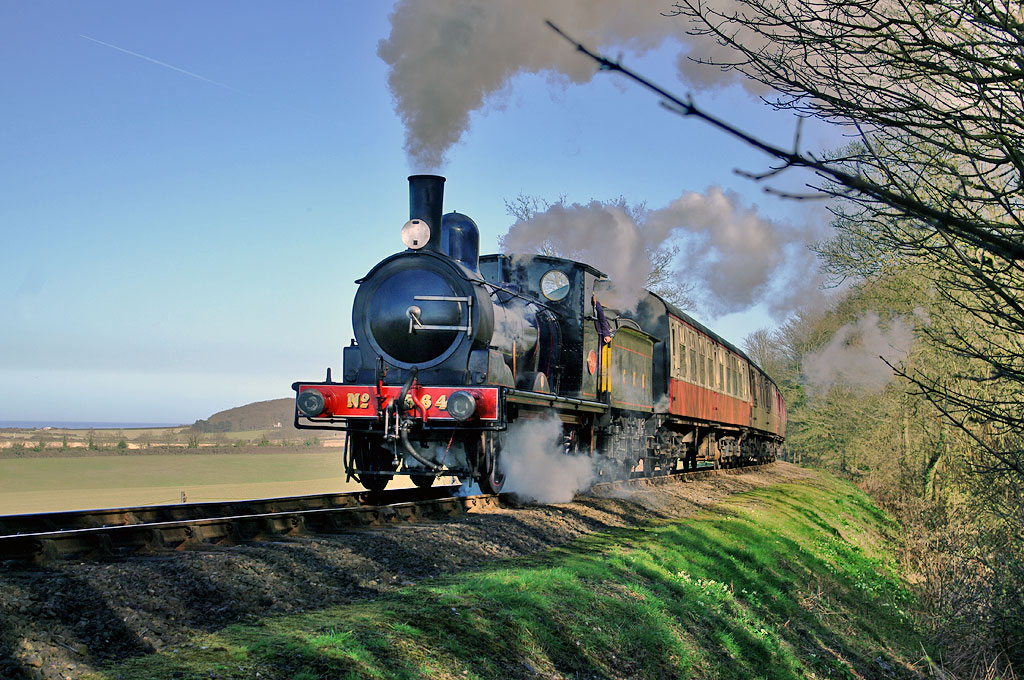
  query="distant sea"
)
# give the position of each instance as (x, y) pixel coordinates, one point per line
(79, 425)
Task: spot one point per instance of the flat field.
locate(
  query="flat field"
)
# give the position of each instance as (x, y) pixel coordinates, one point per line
(53, 482)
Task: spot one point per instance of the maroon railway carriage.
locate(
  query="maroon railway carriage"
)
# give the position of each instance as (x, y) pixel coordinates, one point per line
(714, 403)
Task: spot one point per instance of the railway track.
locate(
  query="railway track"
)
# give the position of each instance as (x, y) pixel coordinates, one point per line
(110, 533)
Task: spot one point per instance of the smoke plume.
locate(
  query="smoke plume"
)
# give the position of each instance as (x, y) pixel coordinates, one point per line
(601, 235)
(736, 256)
(856, 355)
(448, 58)
(535, 467)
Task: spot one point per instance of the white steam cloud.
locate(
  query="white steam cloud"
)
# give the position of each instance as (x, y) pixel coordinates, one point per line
(854, 356)
(448, 58)
(535, 467)
(738, 257)
(601, 235)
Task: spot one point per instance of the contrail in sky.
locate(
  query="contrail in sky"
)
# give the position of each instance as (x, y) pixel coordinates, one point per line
(199, 77)
(160, 63)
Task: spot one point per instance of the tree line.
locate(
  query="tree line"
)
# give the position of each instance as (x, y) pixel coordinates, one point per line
(926, 203)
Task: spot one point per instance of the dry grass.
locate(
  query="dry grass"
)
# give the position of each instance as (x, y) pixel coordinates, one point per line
(71, 483)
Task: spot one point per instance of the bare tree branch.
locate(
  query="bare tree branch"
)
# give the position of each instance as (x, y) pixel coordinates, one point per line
(976, 232)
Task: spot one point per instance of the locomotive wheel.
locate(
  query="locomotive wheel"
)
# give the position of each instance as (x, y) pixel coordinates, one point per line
(490, 476)
(374, 482)
(369, 456)
(423, 481)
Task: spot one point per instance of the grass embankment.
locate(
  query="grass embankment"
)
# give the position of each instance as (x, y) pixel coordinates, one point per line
(787, 582)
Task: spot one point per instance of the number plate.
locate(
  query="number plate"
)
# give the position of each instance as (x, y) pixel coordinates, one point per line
(431, 403)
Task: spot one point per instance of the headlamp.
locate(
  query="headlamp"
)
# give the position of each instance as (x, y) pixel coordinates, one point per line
(311, 403)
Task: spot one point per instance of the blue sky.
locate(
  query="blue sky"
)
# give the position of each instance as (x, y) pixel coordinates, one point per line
(191, 188)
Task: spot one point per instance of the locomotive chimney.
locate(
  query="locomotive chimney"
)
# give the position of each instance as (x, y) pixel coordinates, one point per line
(426, 198)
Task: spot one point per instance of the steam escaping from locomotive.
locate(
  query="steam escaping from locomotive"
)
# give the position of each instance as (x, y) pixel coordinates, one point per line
(448, 58)
(536, 468)
(599, 234)
(859, 354)
(739, 257)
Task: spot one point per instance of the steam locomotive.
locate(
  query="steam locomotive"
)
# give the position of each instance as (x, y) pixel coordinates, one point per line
(452, 348)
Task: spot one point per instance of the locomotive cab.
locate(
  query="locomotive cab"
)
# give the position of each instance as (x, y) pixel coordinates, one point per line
(560, 289)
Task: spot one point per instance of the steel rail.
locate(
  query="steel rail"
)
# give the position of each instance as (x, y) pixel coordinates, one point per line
(105, 517)
(118, 540)
(181, 527)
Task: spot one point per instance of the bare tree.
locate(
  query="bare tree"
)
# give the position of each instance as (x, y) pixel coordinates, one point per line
(761, 347)
(935, 93)
(937, 79)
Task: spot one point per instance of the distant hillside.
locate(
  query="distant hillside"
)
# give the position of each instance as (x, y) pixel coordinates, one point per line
(260, 415)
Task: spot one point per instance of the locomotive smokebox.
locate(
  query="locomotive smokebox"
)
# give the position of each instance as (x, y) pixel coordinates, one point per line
(426, 199)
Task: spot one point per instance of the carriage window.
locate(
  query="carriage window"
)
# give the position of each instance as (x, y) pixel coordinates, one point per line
(554, 284)
(675, 355)
(681, 353)
(678, 356)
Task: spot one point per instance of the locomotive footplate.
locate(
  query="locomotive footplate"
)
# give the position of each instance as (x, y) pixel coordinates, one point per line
(548, 401)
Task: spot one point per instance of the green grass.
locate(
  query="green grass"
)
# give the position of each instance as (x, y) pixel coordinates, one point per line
(793, 581)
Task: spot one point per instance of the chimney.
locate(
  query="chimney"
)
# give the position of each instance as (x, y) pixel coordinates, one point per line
(426, 199)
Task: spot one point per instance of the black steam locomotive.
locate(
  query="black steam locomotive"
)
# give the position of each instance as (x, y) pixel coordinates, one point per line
(452, 348)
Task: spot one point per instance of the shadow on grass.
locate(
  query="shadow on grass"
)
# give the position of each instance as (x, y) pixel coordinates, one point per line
(725, 594)
(92, 619)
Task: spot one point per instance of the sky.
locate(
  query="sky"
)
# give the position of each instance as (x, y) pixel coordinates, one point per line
(190, 189)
